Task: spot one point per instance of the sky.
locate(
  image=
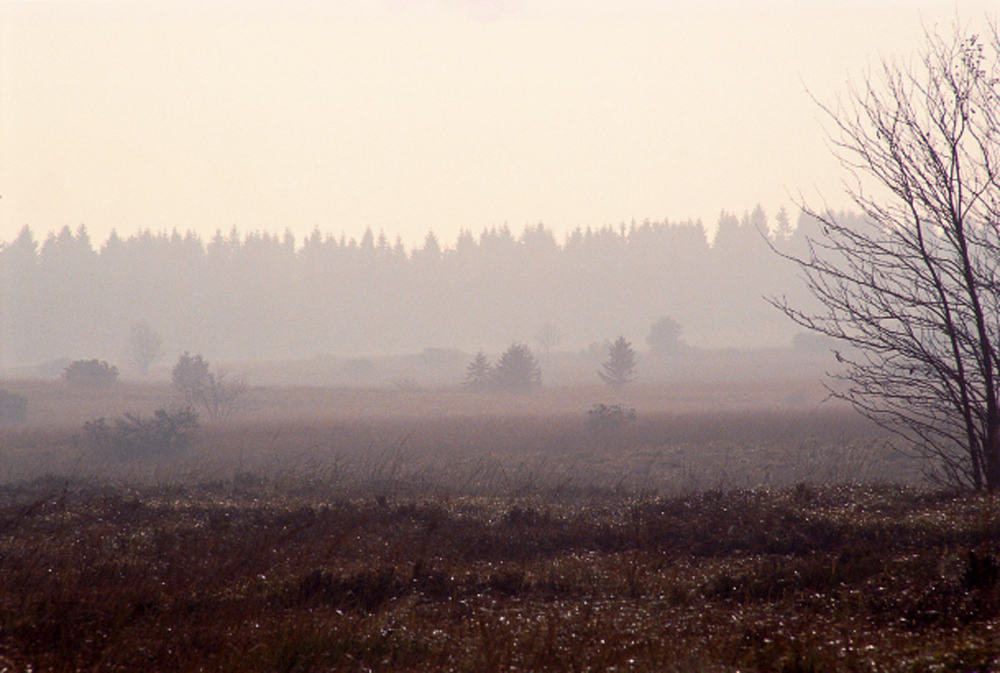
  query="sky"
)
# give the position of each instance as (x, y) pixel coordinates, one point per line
(408, 116)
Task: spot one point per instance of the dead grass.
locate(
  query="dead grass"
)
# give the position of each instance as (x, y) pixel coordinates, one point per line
(500, 535)
(229, 575)
(684, 439)
(54, 403)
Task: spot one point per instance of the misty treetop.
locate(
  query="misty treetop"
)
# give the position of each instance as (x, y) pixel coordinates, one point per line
(260, 294)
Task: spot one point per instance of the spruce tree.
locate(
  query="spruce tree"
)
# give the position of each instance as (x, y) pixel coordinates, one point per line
(478, 373)
(619, 368)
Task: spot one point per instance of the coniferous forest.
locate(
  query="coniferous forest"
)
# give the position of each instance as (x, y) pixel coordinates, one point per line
(259, 295)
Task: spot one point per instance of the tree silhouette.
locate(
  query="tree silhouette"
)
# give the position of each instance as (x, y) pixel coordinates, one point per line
(664, 335)
(619, 368)
(261, 295)
(478, 373)
(144, 346)
(547, 337)
(191, 377)
(517, 370)
(913, 289)
(218, 393)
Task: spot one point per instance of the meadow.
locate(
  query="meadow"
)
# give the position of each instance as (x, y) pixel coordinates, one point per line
(725, 528)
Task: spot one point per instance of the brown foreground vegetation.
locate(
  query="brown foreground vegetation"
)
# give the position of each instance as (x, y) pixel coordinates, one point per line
(419, 530)
(246, 575)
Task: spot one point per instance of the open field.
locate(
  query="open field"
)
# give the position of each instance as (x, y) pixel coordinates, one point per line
(346, 529)
(685, 438)
(237, 575)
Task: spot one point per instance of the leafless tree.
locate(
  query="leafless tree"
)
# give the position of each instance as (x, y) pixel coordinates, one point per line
(218, 393)
(912, 289)
(547, 337)
(144, 346)
(224, 394)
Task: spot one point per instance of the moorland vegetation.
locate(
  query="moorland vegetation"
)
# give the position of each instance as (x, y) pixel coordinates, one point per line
(353, 529)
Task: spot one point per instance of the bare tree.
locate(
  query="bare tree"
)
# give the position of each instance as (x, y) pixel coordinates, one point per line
(144, 346)
(224, 394)
(547, 337)
(912, 288)
(218, 393)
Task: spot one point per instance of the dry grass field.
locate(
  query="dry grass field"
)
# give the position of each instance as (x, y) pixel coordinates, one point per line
(684, 438)
(723, 529)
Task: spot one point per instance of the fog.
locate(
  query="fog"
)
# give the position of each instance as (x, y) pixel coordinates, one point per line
(264, 182)
(355, 334)
(418, 115)
(259, 296)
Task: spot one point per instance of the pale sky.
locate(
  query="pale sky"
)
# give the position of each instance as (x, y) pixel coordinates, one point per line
(412, 115)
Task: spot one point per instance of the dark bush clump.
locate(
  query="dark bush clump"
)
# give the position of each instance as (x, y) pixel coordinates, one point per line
(13, 408)
(132, 436)
(90, 374)
(602, 417)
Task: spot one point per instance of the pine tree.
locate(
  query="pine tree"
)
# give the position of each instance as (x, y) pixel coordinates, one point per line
(478, 373)
(619, 368)
(517, 369)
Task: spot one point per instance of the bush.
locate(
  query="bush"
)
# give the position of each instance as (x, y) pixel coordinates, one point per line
(132, 436)
(191, 377)
(90, 374)
(13, 408)
(604, 417)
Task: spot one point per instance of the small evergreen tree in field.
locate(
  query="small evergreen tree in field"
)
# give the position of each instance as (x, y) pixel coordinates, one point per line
(619, 368)
(478, 373)
(517, 370)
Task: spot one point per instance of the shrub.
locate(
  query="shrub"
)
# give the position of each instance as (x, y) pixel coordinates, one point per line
(13, 407)
(132, 436)
(604, 417)
(190, 376)
(90, 374)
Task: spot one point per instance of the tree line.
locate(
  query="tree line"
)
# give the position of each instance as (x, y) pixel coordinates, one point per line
(259, 294)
